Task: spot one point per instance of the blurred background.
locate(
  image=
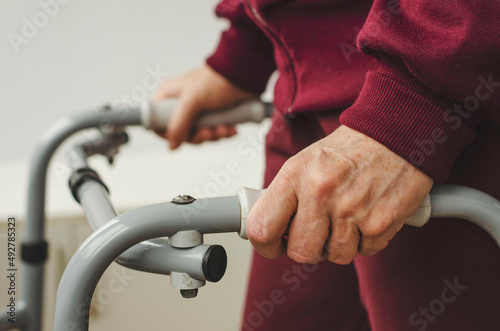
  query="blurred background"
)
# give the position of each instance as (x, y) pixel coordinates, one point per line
(64, 57)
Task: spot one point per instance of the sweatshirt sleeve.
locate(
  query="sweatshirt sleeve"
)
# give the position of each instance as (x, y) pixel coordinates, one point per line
(439, 77)
(244, 54)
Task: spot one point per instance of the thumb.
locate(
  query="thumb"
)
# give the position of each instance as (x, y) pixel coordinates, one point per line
(182, 119)
(168, 89)
(269, 218)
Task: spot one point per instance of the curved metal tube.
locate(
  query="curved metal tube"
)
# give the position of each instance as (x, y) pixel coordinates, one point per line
(90, 261)
(32, 277)
(468, 204)
(47, 146)
(215, 215)
(154, 256)
(21, 319)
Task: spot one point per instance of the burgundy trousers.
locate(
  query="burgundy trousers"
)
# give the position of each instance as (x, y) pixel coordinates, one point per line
(443, 276)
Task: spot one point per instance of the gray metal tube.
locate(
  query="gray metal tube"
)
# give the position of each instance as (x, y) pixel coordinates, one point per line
(84, 270)
(34, 229)
(20, 318)
(35, 210)
(4, 321)
(32, 295)
(47, 146)
(95, 202)
(468, 204)
(76, 158)
(26, 319)
(154, 256)
(106, 145)
(92, 195)
(157, 256)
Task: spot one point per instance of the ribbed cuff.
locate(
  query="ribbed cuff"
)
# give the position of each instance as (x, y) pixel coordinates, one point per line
(401, 113)
(243, 60)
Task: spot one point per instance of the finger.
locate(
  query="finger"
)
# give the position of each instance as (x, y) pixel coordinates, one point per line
(161, 133)
(308, 232)
(269, 218)
(180, 123)
(370, 246)
(202, 135)
(212, 134)
(377, 237)
(344, 242)
(168, 89)
(224, 131)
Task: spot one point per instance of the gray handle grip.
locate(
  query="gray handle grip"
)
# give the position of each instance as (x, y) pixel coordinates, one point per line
(248, 197)
(155, 116)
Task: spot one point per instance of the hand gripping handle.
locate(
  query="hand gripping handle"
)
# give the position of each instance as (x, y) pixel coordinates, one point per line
(155, 116)
(248, 197)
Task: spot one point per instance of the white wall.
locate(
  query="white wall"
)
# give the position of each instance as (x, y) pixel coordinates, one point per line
(95, 52)
(90, 53)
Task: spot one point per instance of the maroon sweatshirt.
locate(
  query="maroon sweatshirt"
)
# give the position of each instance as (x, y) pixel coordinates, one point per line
(415, 75)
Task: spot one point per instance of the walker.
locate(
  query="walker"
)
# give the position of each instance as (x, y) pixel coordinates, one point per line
(132, 239)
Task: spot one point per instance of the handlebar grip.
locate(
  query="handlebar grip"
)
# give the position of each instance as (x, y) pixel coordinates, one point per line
(155, 116)
(248, 197)
(422, 215)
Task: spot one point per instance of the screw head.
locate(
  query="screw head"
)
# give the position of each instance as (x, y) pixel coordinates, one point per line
(188, 294)
(182, 199)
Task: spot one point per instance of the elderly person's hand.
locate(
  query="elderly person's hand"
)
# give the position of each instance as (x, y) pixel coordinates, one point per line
(200, 90)
(342, 195)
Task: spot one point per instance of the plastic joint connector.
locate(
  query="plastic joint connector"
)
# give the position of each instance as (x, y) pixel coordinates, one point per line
(34, 252)
(214, 263)
(80, 176)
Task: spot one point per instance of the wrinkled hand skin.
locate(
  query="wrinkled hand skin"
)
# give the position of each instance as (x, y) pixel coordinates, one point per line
(346, 188)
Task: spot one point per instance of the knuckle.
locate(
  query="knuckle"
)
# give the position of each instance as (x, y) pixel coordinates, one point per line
(338, 243)
(290, 166)
(343, 166)
(349, 207)
(373, 231)
(342, 251)
(287, 175)
(190, 105)
(376, 226)
(318, 183)
(346, 213)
